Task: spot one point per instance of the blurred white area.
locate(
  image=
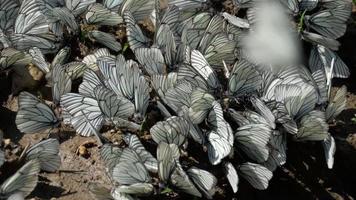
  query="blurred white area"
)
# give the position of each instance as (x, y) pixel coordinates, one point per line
(272, 39)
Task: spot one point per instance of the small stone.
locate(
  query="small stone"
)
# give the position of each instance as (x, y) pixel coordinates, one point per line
(351, 139)
(83, 151)
(7, 142)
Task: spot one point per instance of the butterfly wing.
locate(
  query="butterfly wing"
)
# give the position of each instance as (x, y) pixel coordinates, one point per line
(33, 115)
(23, 181)
(46, 152)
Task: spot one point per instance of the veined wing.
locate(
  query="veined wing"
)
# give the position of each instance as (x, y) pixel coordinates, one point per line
(33, 115)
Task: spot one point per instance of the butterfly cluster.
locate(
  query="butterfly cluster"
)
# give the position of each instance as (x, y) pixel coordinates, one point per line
(191, 65)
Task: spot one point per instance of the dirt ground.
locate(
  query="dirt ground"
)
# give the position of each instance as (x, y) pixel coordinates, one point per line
(305, 177)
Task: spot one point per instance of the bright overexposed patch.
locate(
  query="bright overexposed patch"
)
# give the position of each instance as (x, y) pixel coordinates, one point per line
(272, 40)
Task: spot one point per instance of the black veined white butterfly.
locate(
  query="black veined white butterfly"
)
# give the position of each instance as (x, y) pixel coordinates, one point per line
(179, 96)
(220, 138)
(91, 59)
(152, 60)
(46, 152)
(161, 84)
(126, 79)
(16, 196)
(170, 171)
(257, 175)
(99, 192)
(200, 105)
(61, 58)
(238, 117)
(7, 20)
(171, 17)
(83, 111)
(39, 60)
(214, 27)
(62, 16)
(10, 57)
(194, 27)
(336, 104)
(203, 40)
(23, 181)
(172, 131)
(188, 4)
(249, 117)
(218, 147)
(236, 21)
(167, 156)
(293, 6)
(204, 181)
(323, 20)
(74, 69)
(137, 189)
(166, 41)
(244, 79)
(278, 151)
(140, 9)
(98, 14)
(109, 72)
(244, 3)
(33, 115)
(134, 143)
(113, 106)
(253, 140)
(130, 169)
(321, 58)
(180, 180)
(320, 79)
(308, 4)
(342, 4)
(282, 117)
(78, 6)
(103, 193)
(287, 76)
(319, 39)
(313, 127)
(297, 102)
(232, 176)
(186, 73)
(2, 157)
(32, 29)
(62, 83)
(218, 49)
(195, 132)
(111, 156)
(106, 39)
(135, 36)
(329, 150)
(264, 111)
(90, 81)
(112, 4)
